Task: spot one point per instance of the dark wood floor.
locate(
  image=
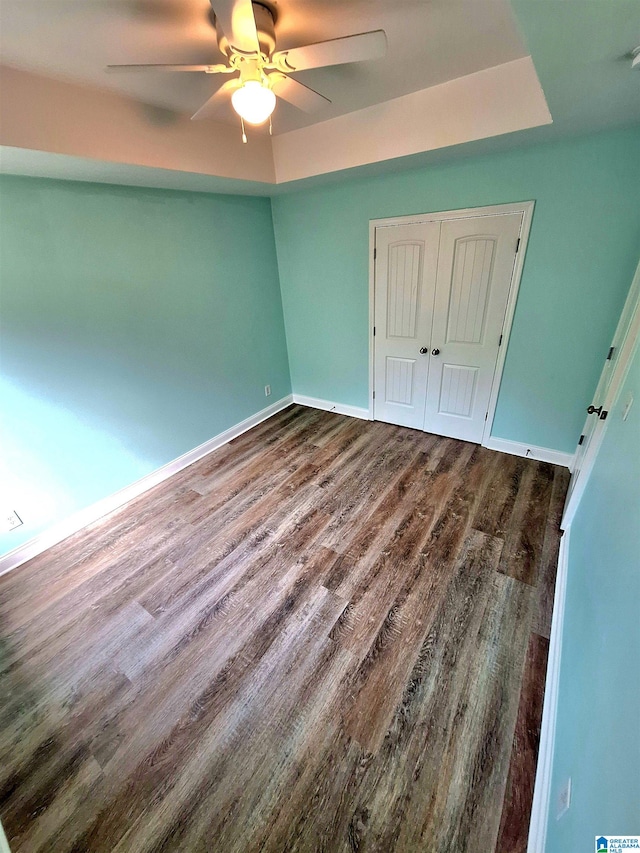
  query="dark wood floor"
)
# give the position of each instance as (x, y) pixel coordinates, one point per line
(328, 635)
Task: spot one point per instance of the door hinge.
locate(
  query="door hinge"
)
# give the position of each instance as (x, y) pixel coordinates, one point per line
(603, 416)
(375, 253)
(580, 440)
(374, 331)
(518, 246)
(500, 341)
(374, 395)
(611, 352)
(486, 415)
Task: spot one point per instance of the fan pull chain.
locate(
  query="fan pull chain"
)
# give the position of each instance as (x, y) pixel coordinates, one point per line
(270, 127)
(244, 135)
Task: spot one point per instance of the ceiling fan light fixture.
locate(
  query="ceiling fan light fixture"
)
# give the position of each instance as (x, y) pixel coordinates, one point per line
(247, 37)
(254, 102)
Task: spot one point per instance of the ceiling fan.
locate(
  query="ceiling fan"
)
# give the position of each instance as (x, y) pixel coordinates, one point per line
(246, 34)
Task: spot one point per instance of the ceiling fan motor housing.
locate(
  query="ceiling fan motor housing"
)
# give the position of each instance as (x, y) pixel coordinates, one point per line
(265, 26)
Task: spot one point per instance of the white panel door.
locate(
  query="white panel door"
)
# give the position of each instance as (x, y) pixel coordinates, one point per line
(611, 378)
(405, 271)
(475, 266)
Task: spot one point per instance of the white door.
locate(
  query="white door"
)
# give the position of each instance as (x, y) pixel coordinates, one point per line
(475, 266)
(441, 291)
(611, 378)
(593, 420)
(405, 274)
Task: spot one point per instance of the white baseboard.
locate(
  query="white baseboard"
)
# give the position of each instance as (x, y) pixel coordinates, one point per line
(542, 454)
(516, 448)
(328, 406)
(542, 790)
(103, 507)
(4, 844)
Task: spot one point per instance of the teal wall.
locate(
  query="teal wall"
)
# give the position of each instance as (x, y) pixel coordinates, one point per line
(581, 257)
(598, 725)
(134, 325)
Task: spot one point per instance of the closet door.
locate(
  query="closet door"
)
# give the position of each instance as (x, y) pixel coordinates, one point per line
(475, 266)
(405, 274)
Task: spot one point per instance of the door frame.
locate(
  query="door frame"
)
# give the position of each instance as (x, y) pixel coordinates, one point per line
(624, 339)
(526, 209)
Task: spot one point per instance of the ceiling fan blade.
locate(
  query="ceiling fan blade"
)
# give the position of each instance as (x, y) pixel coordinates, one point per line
(236, 21)
(371, 45)
(296, 93)
(216, 99)
(208, 69)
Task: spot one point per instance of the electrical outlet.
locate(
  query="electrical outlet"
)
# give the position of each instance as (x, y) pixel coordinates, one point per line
(11, 520)
(267, 390)
(564, 798)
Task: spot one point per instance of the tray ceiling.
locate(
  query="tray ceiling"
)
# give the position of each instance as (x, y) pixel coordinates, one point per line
(429, 43)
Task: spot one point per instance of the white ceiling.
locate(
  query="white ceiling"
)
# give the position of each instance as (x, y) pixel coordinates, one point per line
(430, 42)
(44, 164)
(461, 76)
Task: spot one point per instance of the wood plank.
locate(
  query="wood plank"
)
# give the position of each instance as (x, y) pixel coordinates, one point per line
(459, 815)
(386, 667)
(549, 557)
(516, 810)
(308, 640)
(521, 556)
(493, 516)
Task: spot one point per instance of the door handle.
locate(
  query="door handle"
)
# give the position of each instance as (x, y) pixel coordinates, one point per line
(423, 350)
(593, 411)
(435, 352)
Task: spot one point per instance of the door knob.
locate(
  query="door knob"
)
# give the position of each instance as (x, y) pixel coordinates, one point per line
(435, 352)
(593, 411)
(423, 350)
